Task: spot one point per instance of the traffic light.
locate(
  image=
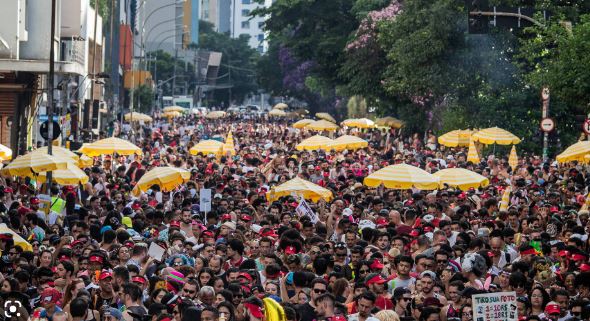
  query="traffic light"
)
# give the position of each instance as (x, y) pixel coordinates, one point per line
(478, 23)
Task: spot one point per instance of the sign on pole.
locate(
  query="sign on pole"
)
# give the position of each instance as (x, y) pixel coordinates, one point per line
(303, 209)
(547, 125)
(499, 306)
(205, 200)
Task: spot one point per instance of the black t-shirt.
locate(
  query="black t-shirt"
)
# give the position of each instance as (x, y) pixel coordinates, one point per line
(307, 312)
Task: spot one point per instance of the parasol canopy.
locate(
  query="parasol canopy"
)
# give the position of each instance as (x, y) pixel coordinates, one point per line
(461, 178)
(108, 146)
(301, 187)
(168, 178)
(402, 176)
(495, 135)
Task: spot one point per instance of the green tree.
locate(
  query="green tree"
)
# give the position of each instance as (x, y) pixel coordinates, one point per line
(143, 99)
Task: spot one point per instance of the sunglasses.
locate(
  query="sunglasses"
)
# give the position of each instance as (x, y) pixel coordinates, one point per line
(190, 291)
(319, 291)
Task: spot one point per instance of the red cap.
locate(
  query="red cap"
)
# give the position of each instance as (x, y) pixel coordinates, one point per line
(414, 233)
(290, 250)
(64, 258)
(529, 251)
(254, 310)
(554, 209)
(381, 221)
(552, 308)
(208, 233)
(50, 295)
(34, 200)
(584, 267)
(462, 196)
(428, 229)
(245, 275)
(378, 279)
(246, 218)
(76, 242)
(226, 217)
(136, 206)
(578, 257)
(105, 274)
(96, 258)
(138, 279)
(268, 233)
(8, 190)
(564, 253)
(376, 265)
(175, 223)
(326, 174)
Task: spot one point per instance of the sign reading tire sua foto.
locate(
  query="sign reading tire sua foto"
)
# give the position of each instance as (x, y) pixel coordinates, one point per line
(499, 306)
(547, 124)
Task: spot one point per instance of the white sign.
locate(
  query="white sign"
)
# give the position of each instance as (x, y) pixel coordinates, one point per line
(547, 125)
(499, 306)
(205, 198)
(156, 251)
(303, 209)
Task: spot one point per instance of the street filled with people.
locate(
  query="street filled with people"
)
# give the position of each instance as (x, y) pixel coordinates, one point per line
(265, 229)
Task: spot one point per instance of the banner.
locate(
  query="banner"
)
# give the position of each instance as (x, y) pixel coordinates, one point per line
(303, 209)
(500, 306)
(205, 200)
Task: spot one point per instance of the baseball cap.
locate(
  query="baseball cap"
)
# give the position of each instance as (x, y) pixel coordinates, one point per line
(375, 278)
(113, 313)
(552, 308)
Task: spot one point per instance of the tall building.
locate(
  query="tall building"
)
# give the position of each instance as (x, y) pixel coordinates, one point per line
(242, 23)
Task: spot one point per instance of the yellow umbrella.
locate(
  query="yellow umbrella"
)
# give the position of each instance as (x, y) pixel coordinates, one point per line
(18, 240)
(174, 108)
(229, 146)
(314, 143)
(168, 178)
(281, 106)
(348, 142)
(322, 125)
(326, 116)
(85, 161)
(461, 178)
(58, 151)
(172, 114)
(472, 155)
(302, 123)
(207, 147)
(34, 163)
(402, 176)
(108, 146)
(505, 202)
(5, 153)
(359, 123)
(513, 158)
(71, 175)
(135, 116)
(301, 187)
(277, 113)
(575, 152)
(495, 135)
(216, 114)
(455, 138)
(390, 122)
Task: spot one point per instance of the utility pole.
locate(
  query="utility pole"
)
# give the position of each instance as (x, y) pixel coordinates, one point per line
(50, 88)
(174, 74)
(96, 8)
(115, 36)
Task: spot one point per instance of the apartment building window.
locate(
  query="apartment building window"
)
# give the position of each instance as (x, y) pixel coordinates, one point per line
(245, 24)
(246, 1)
(245, 12)
(260, 37)
(260, 49)
(261, 25)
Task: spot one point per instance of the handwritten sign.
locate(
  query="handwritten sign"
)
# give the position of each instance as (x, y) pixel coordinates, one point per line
(303, 209)
(500, 306)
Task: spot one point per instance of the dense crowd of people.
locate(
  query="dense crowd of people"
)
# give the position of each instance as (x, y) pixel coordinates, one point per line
(375, 254)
